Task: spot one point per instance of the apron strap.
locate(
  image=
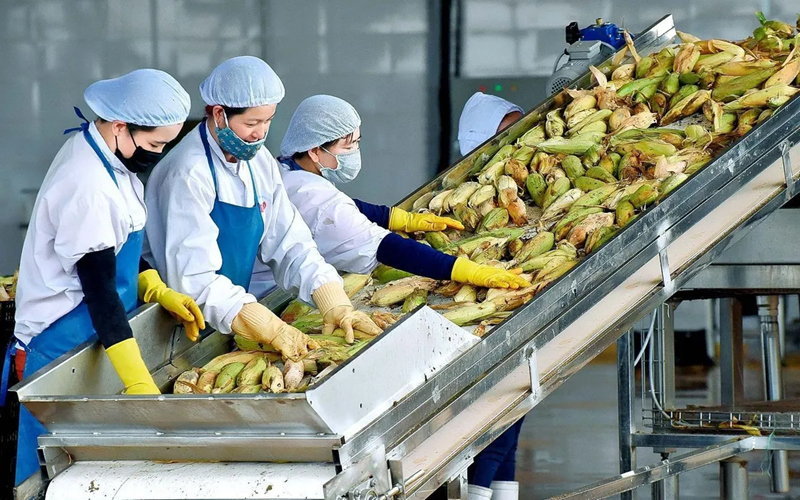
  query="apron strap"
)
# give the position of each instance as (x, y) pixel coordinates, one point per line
(209, 159)
(82, 126)
(6, 371)
(207, 148)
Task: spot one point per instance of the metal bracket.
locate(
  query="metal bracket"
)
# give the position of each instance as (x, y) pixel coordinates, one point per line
(663, 259)
(786, 148)
(362, 479)
(533, 367)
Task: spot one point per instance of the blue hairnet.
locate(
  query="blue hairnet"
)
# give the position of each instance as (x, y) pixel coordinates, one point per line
(147, 97)
(480, 118)
(317, 120)
(242, 82)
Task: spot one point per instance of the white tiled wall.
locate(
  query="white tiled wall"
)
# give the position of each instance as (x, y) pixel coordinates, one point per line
(373, 53)
(523, 37)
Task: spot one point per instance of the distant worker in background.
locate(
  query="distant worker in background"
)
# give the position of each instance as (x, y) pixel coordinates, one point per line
(492, 474)
(79, 271)
(321, 151)
(217, 204)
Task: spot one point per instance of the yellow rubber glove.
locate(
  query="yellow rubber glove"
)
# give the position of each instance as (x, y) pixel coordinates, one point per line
(400, 220)
(256, 322)
(180, 306)
(127, 361)
(338, 312)
(466, 271)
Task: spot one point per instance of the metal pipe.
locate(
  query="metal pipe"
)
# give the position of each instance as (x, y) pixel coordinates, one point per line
(733, 479)
(666, 489)
(625, 395)
(731, 357)
(773, 383)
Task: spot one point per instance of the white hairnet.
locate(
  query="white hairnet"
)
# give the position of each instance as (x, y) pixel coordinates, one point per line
(317, 120)
(147, 97)
(242, 82)
(480, 118)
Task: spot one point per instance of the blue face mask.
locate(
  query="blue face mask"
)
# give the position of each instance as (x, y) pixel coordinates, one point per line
(235, 145)
(348, 165)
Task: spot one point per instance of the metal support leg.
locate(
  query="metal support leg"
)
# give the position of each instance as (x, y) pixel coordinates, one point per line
(773, 383)
(667, 488)
(457, 487)
(711, 328)
(731, 352)
(733, 479)
(782, 326)
(625, 395)
(664, 360)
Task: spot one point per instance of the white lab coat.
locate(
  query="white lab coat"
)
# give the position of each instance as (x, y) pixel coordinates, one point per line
(345, 237)
(78, 210)
(181, 238)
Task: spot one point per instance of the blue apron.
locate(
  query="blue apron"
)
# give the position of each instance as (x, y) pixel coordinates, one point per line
(240, 228)
(70, 331)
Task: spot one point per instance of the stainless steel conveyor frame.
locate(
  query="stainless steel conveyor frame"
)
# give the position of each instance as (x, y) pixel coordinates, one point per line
(425, 433)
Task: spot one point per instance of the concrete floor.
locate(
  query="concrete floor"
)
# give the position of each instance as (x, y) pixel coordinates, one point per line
(570, 439)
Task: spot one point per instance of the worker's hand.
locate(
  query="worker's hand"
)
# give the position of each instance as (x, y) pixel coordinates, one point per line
(466, 271)
(180, 306)
(256, 322)
(338, 312)
(127, 361)
(400, 220)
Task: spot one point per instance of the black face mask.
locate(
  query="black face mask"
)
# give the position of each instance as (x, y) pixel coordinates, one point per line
(141, 160)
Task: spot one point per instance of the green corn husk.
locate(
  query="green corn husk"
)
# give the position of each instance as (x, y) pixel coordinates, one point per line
(311, 322)
(643, 196)
(574, 216)
(727, 123)
(226, 380)
(595, 197)
(555, 126)
(598, 238)
(533, 137)
(741, 84)
(416, 299)
(573, 167)
(658, 104)
(600, 174)
(523, 154)
(648, 147)
(555, 190)
(294, 310)
(496, 219)
(514, 246)
(707, 62)
(437, 239)
(670, 183)
(467, 216)
(502, 154)
(536, 187)
(638, 85)
(470, 313)
(591, 158)
(682, 94)
(384, 274)
(624, 213)
(491, 253)
(597, 116)
(536, 246)
(251, 374)
(643, 96)
(747, 121)
(689, 78)
(671, 84)
(587, 184)
(644, 66)
(575, 145)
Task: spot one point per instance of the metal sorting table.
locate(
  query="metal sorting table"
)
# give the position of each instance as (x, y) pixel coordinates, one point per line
(400, 418)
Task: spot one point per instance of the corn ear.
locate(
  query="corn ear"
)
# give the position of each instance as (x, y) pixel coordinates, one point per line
(594, 197)
(385, 274)
(578, 234)
(206, 381)
(587, 184)
(416, 299)
(490, 174)
(579, 104)
(575, 216)
(468, 216)
(539, 244)
(576, 145)
(354, 283)
(468, 293)
(294, 310)
(741, 84)
(517, 171)
(536, 187)
(470, 313)
(218, 363)
(480, 196)
(554, 191)
(600, 174)
(423, 201)
(555, 124)
(638, 85)
(686, 58)
(670, 183)
(309, 323)
(760, 98)
(437, 239)
(523, 154)
(533, 137)
(573, 167)
(518, 212)
(461, 195)
(251, 374)
(186, 382)
(644, 196)
(437, 202)
(624, 72)
(226, 380)
(399, 290)
(272, 380)
(598, 238)
(495, 219)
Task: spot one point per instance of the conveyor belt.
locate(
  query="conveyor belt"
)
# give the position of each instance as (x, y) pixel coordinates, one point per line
(429, 428)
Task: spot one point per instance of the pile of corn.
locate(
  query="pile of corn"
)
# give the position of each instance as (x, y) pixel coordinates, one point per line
(8, 287)
(591, 166)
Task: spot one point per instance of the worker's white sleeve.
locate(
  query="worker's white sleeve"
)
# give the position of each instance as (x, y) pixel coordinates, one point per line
(192, 255)
(288, 247)
(88, 221)
(346, 238)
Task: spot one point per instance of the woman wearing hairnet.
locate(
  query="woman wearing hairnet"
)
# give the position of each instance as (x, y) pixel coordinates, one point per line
(491, 475)
(217, 203)
(319, 151)
(80, 260)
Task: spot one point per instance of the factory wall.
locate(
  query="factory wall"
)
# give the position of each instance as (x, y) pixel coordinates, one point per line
(373, 53)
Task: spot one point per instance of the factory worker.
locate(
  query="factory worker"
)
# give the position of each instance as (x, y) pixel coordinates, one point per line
(79, 270)
(492, 473)
(321, 151)
(217, 203)
(482, 117)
